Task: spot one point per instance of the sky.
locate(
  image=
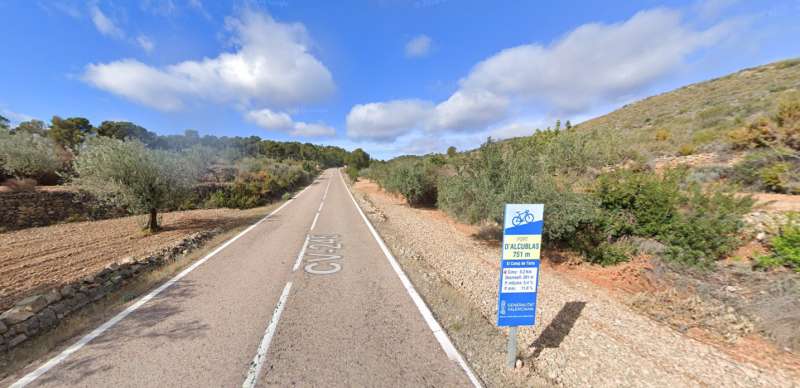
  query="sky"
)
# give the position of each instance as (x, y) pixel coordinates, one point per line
(392, 77)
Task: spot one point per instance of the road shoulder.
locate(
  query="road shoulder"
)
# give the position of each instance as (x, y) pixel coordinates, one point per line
(579, 327)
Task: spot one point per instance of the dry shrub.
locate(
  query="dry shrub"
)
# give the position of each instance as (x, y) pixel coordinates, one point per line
(662, 135)
(686, 150)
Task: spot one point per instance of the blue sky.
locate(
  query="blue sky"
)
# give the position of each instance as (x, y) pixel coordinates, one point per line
(392, 76)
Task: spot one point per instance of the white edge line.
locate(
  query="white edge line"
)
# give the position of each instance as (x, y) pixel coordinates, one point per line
(438, 332)
(320, 206)
(300, 255)
(32, 376)
(263, 347)
(313, 224)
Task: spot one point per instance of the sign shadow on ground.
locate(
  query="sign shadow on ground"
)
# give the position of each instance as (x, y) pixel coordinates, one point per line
(559, 327)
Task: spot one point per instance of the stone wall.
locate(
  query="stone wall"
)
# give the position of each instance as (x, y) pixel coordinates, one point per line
(51, 205)
(38, 314)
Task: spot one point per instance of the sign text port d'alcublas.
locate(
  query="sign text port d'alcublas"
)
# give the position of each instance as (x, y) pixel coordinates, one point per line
(519, 274)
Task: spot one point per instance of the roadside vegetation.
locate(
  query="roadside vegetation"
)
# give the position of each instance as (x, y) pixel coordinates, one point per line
(599, 198)
(603, 196)
(146, 173)
(784, 246)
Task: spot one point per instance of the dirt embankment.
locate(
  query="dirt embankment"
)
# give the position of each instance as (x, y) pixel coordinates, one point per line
(586, 332)
(38, 259)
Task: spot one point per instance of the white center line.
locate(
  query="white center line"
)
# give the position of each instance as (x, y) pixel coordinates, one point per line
(263, 347)
(325, 195)
(300, 255)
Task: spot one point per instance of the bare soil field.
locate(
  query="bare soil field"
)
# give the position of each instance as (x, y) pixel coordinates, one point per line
(38, 259)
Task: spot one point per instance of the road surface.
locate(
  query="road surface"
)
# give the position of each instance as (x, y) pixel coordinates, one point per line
(309, 296)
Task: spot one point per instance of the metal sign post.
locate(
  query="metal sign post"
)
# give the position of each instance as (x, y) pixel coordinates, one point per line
(519, 270)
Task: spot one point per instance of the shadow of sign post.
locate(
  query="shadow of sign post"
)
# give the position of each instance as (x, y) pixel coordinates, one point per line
(558, 329)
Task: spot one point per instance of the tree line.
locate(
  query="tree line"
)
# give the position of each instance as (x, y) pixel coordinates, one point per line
(70, 133)
(146, 173)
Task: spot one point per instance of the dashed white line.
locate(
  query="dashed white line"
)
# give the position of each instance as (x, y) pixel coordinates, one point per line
(30, 377)
(325, 195)
(438, 332)
(263, 347)
(300, 255)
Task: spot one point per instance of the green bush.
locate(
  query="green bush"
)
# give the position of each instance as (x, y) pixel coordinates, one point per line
(258, 181)
(239, 196)
(697, 226)
(134, 176)
(586, 210)
(638, 203)
(775, 177)
(414, 179)
(474, 191)
(612, 253)
(28, 155)
(785, 246)
(776, 170)
(706, 226)
(352, 172)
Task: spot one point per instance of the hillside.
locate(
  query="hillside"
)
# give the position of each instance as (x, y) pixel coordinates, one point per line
(699, 115)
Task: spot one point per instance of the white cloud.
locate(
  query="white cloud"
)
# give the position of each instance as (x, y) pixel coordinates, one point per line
(280, 121)
(268, 119)
(272, 66)
(594, 62)
(469, 110)
(385, 121)
(104, 24)
(141, 83)
(145, 43)
(594, 65)
(419, 46)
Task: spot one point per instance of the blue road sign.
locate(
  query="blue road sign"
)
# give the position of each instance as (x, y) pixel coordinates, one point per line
(519, 264)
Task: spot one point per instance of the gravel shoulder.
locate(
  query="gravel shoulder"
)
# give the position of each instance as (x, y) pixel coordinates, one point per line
(38, 259)
(584, 336)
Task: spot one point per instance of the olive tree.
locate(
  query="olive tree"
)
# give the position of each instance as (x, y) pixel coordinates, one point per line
(27, 155)
(133, 176)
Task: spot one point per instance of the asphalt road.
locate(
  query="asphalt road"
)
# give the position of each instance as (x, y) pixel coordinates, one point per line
(307, 297)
